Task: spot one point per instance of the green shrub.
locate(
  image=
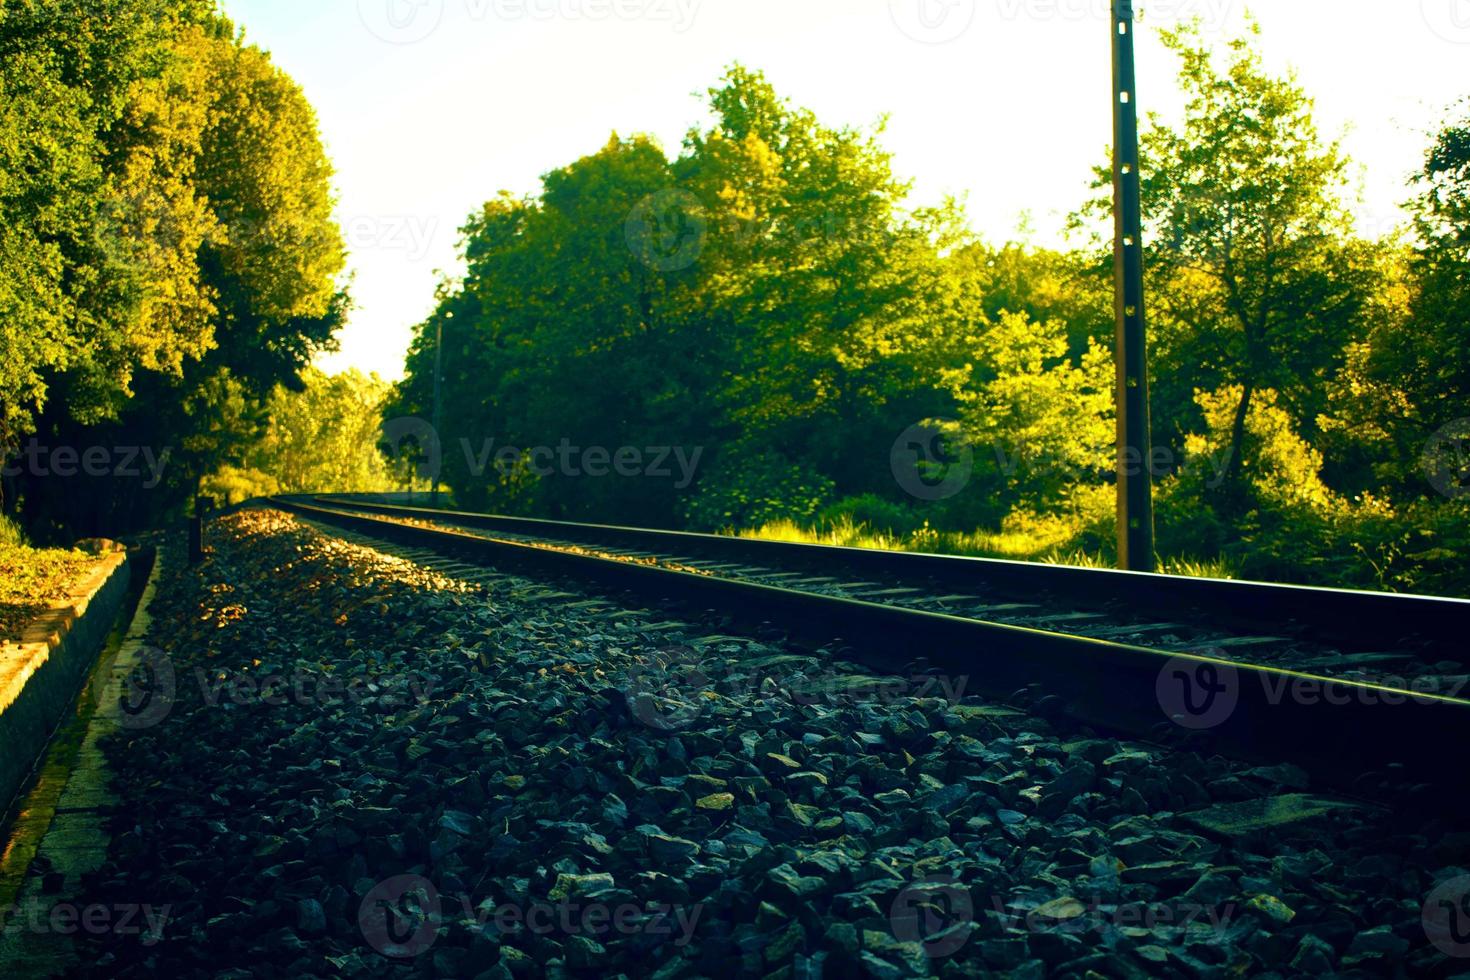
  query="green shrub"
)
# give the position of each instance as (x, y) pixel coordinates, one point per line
(10, 533)
(873, 511)
(1423, 546)
(231, 485)
(1186, 523)
(752, 490)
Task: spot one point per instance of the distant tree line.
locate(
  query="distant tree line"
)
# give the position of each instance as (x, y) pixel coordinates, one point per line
(761, 329)
(769, 296)
(323, 438)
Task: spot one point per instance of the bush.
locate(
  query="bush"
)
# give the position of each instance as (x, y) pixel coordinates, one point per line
(11, 534)
(872, 511)
(1421, 547)
(1184, 523)
(752, 490)
(231, 485)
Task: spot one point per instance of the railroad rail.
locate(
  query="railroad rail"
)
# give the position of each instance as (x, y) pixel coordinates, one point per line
(1131, 675)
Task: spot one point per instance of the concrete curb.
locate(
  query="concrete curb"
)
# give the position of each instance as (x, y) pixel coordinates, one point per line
(63, 834)
(41, 674)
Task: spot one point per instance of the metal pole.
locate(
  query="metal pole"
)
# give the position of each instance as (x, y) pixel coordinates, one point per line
(438, 394)
(1135, 500)
(196, 530)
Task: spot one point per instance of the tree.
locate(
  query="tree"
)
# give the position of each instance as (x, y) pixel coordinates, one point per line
(202, 269)
(1410, 374)
(1043, 284)
(1254, 281)
(822, 280)
(1431, 360)
(760, 300)
(321, 439)
(96, 130)
(561, 331)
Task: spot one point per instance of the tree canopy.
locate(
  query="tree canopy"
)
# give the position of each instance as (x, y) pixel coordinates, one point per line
(169, 253)
(770, 298)
(757, 327)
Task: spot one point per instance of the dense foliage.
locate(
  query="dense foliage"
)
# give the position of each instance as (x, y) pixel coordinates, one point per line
(167, 254)
(768, 302)
(762, 330)
(323, 438)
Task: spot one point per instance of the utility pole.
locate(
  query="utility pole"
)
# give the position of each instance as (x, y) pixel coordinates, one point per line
(1135, 491)
(438, 395)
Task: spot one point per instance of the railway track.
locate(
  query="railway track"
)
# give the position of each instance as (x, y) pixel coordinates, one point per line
(1362, 689)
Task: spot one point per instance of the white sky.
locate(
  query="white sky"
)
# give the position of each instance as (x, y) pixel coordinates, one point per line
(430, 107)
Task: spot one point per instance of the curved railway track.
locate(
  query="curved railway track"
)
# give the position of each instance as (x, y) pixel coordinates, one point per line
(1365, 690)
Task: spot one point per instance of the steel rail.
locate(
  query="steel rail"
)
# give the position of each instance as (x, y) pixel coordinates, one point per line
(1352, 620)
(1341, 731)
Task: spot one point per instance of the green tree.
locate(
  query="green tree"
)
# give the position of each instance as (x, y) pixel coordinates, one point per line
(202, 268)
(96, 131)
(1038, 420)
(822, 280)
(322, 438)
(1409, 375)
(1255, 282)
(761, 299)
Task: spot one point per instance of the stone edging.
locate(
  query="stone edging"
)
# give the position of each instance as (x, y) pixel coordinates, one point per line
(40, 674)
(69, 835)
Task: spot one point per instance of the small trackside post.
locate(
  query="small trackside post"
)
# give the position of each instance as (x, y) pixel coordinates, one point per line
(202, 507)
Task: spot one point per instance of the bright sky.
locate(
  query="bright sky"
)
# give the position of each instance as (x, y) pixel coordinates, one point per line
(430, 107)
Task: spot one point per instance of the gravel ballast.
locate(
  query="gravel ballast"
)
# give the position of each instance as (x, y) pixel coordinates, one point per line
(345, 763)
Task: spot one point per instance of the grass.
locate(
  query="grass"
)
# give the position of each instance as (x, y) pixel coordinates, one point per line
(1047, 546)
(32, 578)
